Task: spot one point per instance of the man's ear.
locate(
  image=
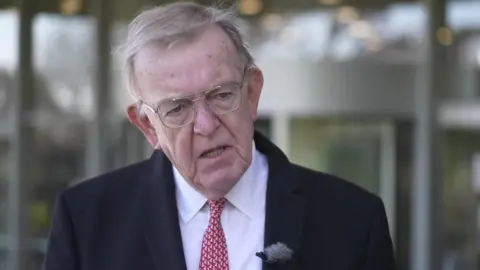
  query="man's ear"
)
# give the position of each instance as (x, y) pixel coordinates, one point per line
(142, 122)
(255, 86)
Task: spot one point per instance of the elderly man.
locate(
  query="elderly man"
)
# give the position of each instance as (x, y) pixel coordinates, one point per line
(215, 194)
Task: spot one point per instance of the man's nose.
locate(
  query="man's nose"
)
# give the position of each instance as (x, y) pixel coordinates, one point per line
(205, 121)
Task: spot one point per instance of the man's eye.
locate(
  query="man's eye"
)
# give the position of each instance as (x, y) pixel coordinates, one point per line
(223, 95)
(176, 110)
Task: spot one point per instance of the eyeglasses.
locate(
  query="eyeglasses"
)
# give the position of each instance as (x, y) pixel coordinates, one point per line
(179, 112)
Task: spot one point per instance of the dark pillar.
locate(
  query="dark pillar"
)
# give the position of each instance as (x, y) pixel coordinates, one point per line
(96, 157)
(21, 143)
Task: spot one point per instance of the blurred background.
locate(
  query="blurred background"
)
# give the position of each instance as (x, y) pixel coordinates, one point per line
(385, 93)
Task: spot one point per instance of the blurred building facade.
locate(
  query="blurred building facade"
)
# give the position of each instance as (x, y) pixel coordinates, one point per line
(339, 96)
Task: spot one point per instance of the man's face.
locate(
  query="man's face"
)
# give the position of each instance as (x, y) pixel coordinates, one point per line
(213, 151)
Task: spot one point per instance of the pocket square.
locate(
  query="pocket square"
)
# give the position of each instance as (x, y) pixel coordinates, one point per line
(276, 253)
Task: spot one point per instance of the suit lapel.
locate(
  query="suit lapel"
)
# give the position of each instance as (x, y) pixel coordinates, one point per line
(285, 205)
(162, 231)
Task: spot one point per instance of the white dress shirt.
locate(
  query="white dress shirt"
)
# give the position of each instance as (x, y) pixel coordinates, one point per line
(243, 217)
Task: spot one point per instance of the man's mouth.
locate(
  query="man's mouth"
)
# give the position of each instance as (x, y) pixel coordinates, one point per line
(214, 152)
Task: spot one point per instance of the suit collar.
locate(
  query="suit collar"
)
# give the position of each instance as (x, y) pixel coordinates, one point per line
(285, 204)
(284, 208)
(162, 231)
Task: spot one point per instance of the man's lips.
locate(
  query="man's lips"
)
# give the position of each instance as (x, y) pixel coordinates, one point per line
(214, 150)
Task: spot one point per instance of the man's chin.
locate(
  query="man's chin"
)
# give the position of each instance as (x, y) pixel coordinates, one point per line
(221, 180)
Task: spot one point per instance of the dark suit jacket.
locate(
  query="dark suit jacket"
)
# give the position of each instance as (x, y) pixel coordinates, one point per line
(127, 220)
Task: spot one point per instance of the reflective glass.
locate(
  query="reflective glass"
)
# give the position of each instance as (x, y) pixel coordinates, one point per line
(8, 65)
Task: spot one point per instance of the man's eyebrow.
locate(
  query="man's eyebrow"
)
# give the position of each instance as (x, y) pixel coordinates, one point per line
(171, 95)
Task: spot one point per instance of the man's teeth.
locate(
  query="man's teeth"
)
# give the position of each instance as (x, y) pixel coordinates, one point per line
(214, 153)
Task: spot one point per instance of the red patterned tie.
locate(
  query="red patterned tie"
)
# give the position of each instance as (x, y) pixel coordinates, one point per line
(214, 254)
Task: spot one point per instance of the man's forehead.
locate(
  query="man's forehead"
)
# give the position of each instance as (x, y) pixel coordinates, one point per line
(171, 63)
(208, 60)
(211, 46)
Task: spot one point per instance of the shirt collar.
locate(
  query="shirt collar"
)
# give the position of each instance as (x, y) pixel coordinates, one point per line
(190, 201)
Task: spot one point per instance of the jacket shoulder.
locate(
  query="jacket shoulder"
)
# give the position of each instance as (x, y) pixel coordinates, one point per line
(342, 208)
(327, 187)
(121, 180)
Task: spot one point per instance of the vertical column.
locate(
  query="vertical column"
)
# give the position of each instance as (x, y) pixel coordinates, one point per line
(281, 130)
(471, 80)
(21, 142)
(135, 144)
(388, 172)
(426, 253)
(96, 155)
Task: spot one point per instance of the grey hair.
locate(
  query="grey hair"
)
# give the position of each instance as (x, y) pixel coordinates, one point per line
(174, 23)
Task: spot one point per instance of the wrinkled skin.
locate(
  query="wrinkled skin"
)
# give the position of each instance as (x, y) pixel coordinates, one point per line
(191, 68)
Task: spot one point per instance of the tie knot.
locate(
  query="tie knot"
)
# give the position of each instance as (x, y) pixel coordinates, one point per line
(216, 207)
